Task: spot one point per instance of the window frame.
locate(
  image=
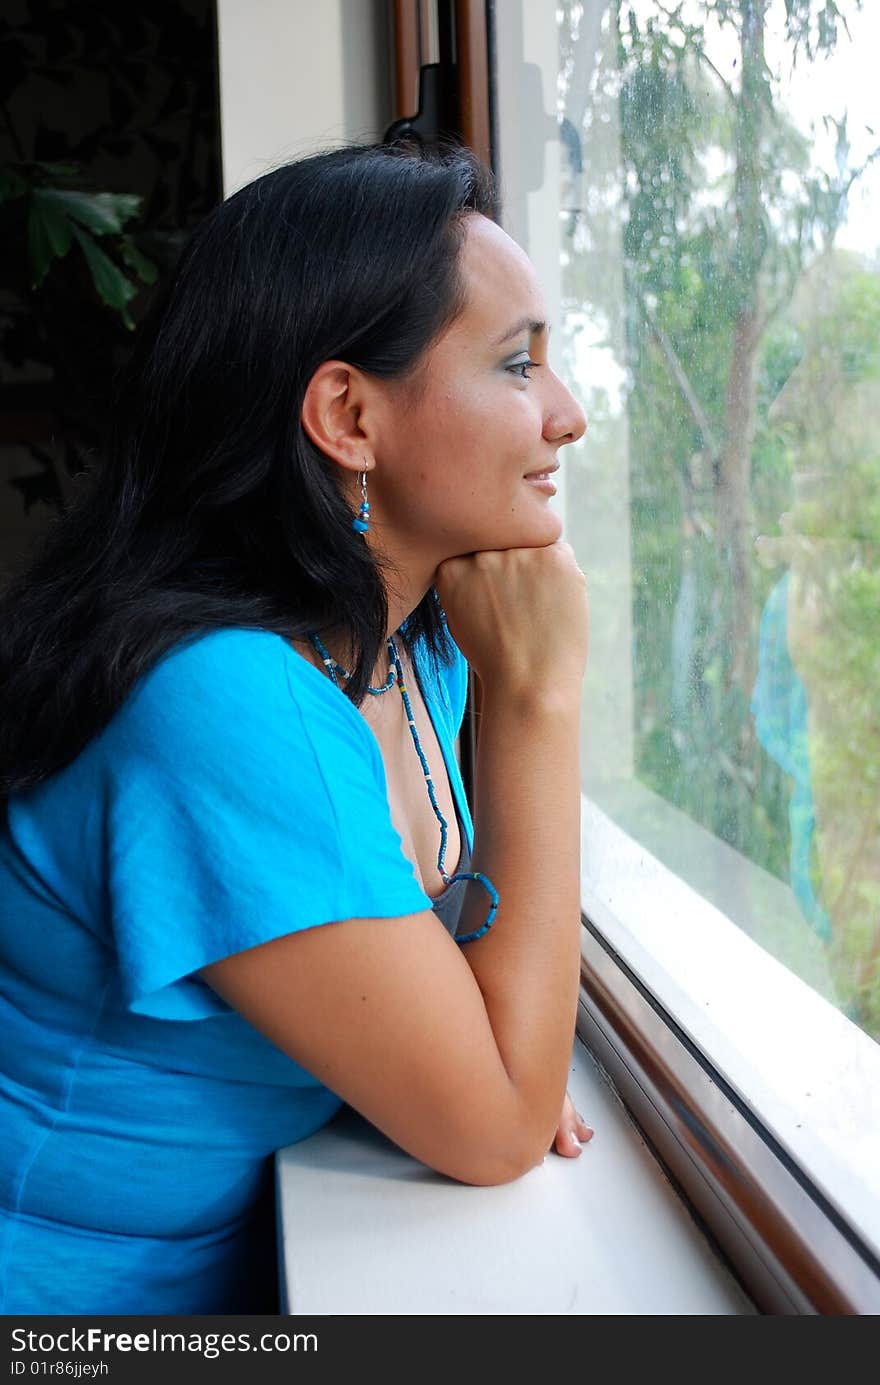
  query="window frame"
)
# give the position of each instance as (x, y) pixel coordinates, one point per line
(790, 1248)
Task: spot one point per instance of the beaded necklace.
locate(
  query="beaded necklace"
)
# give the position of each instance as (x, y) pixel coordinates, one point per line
(395, 675)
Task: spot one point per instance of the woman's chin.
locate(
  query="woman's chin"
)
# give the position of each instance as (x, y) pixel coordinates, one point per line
(523, 531)
(546, 528)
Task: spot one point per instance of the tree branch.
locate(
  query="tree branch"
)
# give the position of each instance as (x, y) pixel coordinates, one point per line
(673, 18)
(679, 374)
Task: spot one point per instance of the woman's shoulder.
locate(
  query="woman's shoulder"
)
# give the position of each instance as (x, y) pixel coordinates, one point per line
(235, 692)
(227, 690)
(225, 664)
(222, 657)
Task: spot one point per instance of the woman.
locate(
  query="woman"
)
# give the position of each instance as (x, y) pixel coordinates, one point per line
(229, 690)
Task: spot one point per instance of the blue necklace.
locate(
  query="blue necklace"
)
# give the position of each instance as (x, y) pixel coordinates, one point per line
(395, 675)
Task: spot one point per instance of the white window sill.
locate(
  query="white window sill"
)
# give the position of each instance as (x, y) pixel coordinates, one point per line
(366, 1230)
(809, 1074)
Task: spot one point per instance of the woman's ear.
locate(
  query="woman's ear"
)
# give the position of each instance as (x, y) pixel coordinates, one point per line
(332, 414)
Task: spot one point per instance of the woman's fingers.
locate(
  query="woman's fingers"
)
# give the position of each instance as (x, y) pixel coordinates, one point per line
(573, 1131)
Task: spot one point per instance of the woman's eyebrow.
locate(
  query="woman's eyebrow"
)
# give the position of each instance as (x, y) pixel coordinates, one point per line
(533, 326)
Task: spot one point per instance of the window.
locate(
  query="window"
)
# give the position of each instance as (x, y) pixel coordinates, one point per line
(699, 187)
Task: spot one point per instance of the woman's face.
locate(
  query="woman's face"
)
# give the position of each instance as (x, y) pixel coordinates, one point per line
(484, 409)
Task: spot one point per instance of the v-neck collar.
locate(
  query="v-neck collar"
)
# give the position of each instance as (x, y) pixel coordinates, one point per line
(456, 783)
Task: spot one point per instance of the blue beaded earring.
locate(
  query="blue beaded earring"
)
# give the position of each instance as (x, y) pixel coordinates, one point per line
(362, 523)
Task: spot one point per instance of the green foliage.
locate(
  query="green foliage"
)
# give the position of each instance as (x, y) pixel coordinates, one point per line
(815, 29)
(724, 211)
(109, 153)
(58, 216)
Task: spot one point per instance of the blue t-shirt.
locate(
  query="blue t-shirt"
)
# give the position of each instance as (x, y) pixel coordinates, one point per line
(236, 796)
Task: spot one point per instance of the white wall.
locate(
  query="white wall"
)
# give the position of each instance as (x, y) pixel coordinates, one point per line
(296, 75)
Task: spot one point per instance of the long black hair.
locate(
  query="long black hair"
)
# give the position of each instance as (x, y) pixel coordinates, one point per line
(213, 507)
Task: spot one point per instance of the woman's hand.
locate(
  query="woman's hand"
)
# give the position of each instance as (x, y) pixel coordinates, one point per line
(573, 1131)
(520, 616)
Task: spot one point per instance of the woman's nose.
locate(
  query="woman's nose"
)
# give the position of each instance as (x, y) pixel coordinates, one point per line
(565, 420)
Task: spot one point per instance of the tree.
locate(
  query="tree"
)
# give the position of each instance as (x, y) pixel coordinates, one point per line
(723, 206)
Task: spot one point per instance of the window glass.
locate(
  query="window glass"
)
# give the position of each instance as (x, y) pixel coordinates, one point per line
(699, 186)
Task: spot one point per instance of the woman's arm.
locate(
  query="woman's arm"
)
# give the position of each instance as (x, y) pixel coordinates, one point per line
(460, 1056)
(461, 1060)
(527, 841)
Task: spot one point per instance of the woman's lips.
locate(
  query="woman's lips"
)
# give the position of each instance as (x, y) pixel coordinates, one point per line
(542, 480)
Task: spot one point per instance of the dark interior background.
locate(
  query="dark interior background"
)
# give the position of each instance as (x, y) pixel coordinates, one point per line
(96, 97)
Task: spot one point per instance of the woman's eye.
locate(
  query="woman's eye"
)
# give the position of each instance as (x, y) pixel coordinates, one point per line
(522, 368)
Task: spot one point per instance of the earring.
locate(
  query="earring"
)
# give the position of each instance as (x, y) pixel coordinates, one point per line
(362, 523)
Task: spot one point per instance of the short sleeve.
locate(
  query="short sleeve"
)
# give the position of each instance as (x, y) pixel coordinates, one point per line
(246, 799)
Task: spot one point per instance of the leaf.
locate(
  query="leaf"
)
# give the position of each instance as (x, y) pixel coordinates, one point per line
(109, 280)
(102, 213)
(145, 269)
(48, 235)
(58, 170)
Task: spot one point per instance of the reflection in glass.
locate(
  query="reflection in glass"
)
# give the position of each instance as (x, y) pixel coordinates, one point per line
(720, 297)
